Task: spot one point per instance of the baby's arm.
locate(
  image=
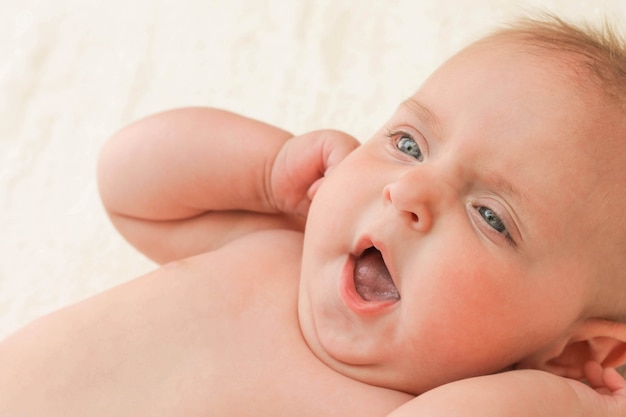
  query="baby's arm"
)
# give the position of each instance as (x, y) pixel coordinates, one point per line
(524, 393)
(185, 181)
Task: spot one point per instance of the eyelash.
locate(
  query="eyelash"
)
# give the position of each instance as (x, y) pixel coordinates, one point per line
(504, 233)
(397, 135)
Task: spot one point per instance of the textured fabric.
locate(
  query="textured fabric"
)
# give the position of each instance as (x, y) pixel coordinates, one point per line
(74, 71)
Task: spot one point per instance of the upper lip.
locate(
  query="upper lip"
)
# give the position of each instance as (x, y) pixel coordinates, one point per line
(362, 245)
(367, 242)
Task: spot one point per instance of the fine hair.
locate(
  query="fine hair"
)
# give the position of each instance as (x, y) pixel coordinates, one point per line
(595, 52)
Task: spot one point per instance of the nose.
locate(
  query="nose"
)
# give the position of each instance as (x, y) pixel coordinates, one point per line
(418, 196)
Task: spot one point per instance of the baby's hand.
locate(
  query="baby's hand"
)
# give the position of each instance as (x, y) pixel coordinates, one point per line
(301, 165)
(608, 396)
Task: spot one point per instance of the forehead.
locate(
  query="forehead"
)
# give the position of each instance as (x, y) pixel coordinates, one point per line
(499, 76)
(523, 118)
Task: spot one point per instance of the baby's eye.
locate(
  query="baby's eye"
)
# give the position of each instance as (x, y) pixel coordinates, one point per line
(407, 144)
(492, 225)
(492, 219)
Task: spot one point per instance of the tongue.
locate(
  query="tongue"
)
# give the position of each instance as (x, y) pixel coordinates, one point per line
(372, 279)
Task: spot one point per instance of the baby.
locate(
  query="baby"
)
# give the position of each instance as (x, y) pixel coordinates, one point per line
(467, 260)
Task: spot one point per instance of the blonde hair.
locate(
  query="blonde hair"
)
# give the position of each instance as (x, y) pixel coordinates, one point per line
(592, 52)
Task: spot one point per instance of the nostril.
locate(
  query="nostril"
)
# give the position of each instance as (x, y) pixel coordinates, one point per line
(414, 218)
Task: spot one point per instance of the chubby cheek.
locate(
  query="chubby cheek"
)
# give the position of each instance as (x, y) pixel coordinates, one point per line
(342, 197)
(470, 318)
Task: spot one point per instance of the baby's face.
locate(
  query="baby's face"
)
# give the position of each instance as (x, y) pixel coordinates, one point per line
(452, 243)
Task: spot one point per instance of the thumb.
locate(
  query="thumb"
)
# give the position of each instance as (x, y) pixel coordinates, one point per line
(336, 145)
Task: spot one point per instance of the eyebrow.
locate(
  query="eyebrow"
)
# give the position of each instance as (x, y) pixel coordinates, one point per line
(432, 121)
(508, 188)
(424, 113)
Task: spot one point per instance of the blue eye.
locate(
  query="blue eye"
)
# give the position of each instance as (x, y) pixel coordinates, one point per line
(494, 223)
(492, 219)
(407, 145)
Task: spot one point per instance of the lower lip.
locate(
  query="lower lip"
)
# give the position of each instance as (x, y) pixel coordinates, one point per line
(352, 298)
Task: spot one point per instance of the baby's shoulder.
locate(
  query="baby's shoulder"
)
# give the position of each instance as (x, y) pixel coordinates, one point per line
(267, 248)
(258, 262)
(272, 243)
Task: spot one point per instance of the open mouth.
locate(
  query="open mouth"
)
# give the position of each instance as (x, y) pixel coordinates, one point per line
(372, 279)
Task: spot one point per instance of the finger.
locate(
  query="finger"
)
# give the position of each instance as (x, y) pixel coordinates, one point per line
(337, 145)
(593, 374)
(313, 188)
(613, 380)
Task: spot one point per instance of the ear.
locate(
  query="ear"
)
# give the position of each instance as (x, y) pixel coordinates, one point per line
(597, 340)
